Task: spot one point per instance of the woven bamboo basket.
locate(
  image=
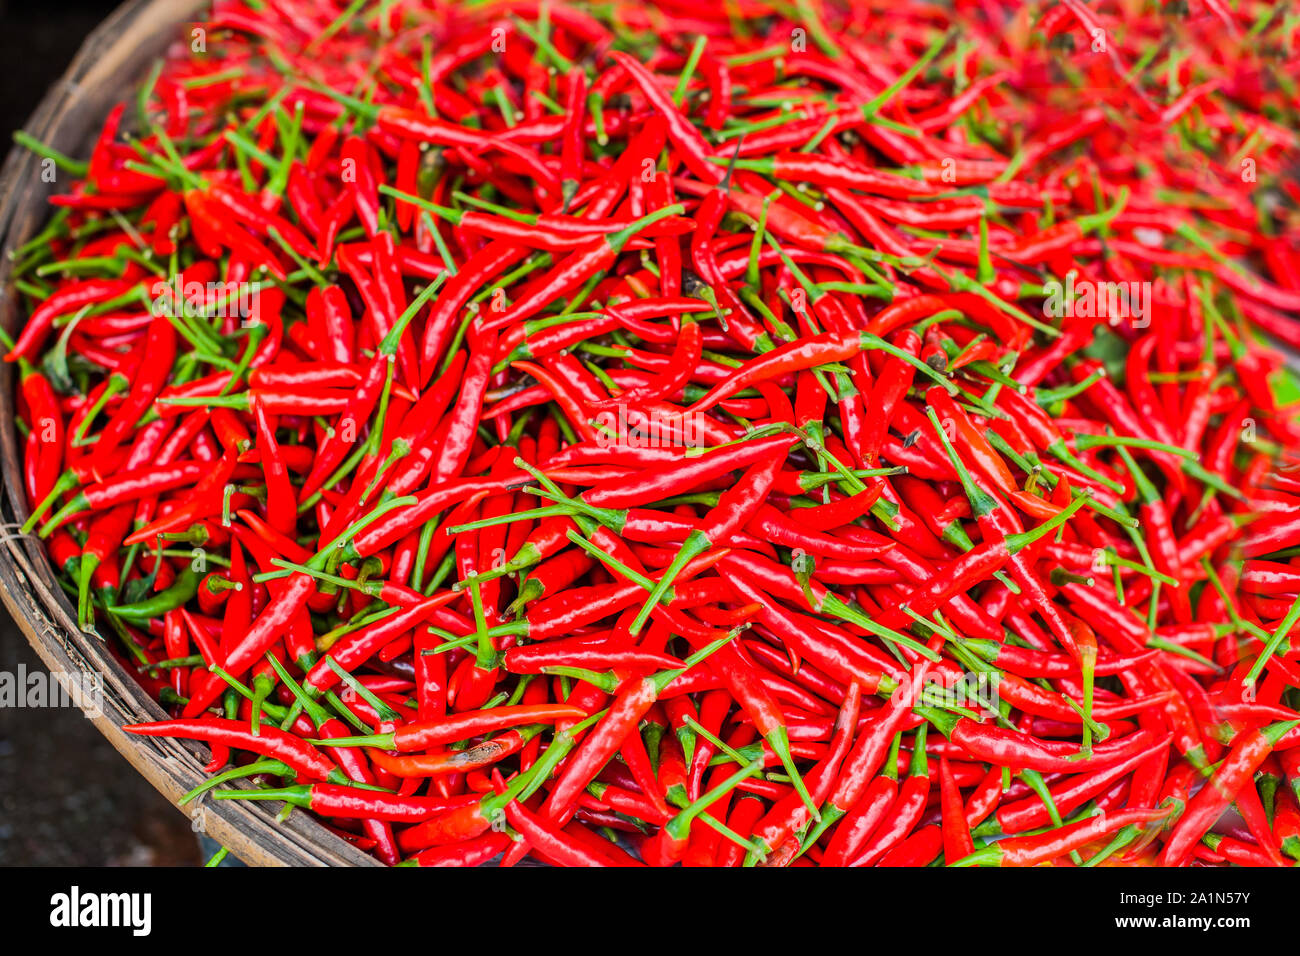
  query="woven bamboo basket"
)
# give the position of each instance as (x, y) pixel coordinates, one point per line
(113, 58)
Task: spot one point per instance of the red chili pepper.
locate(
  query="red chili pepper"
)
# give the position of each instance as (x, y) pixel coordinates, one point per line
(957, 842)
(66, 301)
(421, 735)
(594, 256)
(1236, 771)
(1041, 848)
(270, 742)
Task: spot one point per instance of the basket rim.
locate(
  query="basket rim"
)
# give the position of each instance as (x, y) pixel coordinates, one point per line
(136, 32)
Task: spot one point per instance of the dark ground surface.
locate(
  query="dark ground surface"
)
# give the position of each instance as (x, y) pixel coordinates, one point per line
(66, 796)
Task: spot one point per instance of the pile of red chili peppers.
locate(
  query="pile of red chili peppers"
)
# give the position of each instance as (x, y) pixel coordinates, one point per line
(753, 432)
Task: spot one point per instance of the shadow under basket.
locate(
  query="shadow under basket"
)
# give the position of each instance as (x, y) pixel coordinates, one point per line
(114, 58)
